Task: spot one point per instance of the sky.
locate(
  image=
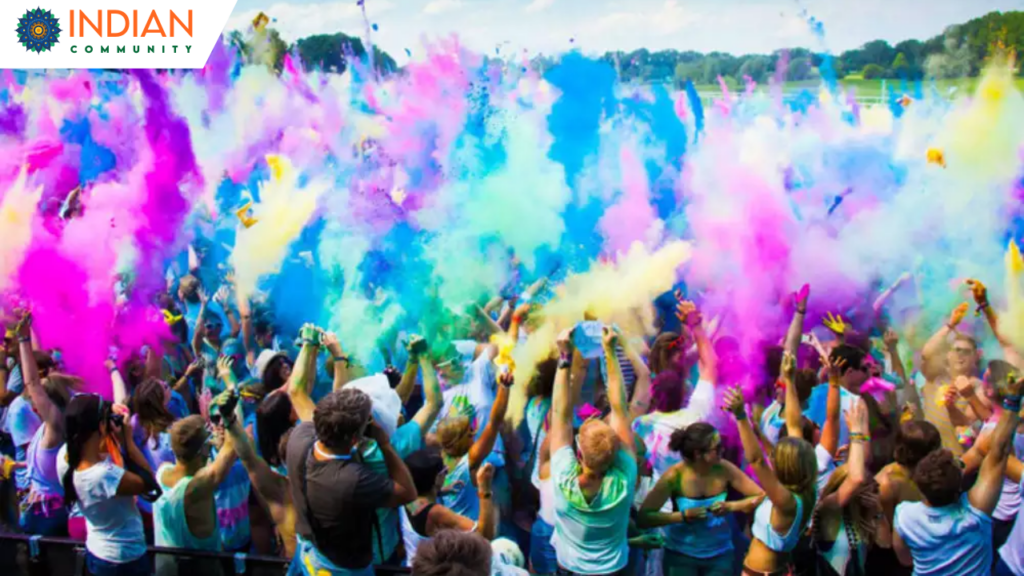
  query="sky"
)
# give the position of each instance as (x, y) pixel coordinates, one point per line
(597, 26)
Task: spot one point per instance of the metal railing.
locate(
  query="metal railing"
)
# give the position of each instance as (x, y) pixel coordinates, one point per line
(25, 555)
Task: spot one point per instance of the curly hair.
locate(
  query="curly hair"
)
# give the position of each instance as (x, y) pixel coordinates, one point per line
(340, 418)
(452, 553)
(938, 477)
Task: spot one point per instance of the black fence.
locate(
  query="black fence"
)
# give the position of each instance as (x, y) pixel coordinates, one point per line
(23, 555)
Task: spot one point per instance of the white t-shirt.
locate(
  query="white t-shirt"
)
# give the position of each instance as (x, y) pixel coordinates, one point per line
(946, 540)
(826, 466)
(1009, 500)
(1012, 552)
(114, 525)
(478, 386)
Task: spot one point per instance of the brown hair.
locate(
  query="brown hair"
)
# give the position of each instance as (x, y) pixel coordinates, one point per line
(938, 477)
(662, 350)
(188, 436)
(452, 553)
(148, 404)
(859, 514)
(455, 435)
(797, 469)
(915, 440)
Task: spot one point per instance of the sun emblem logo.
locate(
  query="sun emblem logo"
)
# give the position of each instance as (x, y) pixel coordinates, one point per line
(38, 30)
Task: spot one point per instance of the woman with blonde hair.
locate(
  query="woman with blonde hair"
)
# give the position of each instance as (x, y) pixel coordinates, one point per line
(789, 484)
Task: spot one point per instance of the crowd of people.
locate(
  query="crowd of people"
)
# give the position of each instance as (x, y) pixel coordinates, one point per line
(634, 453)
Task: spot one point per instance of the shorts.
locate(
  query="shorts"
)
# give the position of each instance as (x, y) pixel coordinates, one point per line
(677, 564)
(98, 567)
(542, 554)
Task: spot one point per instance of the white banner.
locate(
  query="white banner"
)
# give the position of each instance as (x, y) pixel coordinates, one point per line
(110, 33)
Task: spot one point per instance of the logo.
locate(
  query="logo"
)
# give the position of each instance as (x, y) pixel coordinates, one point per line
(38, 30)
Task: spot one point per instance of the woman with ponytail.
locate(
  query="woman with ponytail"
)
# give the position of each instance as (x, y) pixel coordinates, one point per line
(94, 478)
(789, 484)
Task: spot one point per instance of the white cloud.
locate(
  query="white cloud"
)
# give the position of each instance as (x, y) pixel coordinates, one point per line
(441, 6)
(539, 5)
(295, 21)
(667, 18)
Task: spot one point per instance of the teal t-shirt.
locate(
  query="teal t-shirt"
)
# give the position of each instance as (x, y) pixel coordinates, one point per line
(407, 439)
(591, 538)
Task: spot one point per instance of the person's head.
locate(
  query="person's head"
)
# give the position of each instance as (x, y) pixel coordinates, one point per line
(341, 418)
(915, 440)
(58, 389)
(963, 356)
(668, 351)
(862, 509)
(149, 403)
(451, 367)
(455, 433)
(213, 326)
(997, 375)
(938, 476)
(853, 372)
(45, 363)
(274, 369)
(795, 465)
(453, 553)
(190, 441)
(698, 444)
(809, 431)
(598, 445)
(543, 382)
(274, 416)
(188, 289)
(805, 380)
(668, 391)
(263, 332)
(427, 468)
(86, 421)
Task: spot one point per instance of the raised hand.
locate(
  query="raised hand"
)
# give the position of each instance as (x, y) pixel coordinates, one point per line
(609, 337)
(835, 323)
(957, 316)
(788, 368)
(224, 368)
(891, 338)
(964, 386)
(834, 368)
(800, 298)
(484, 476)
(735, 404)
(24, 326)
(978, 290)
(416, 346)
(857, 420)
(564, 341)
(506, 379)
(688, 314)
(330, 341)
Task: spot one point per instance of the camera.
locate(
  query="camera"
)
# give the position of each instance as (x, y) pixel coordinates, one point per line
(115, 420)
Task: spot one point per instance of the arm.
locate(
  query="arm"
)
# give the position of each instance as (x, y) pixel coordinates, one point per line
(796, 325)
(298, 382)
(650, 515)
(5, 398)
(988, 487)
(405, 490)
(621, 421)
(433, 400)
(980, 407)
(641, 401)
(481, 449)
(707, 361)
(560, 432)
(408, 383)
(740, 482)
(47, 410)
(782, 499)
(205, 483)
(911, 394)
(833, 405)
(933, 347)
(901, 549)
(120, 390)
(489, 325)
(859, 424)
(200, 332)
(343, 365)
(268, 483)
(487, 526)
(980, 293)
(792, 413)
(248, 335)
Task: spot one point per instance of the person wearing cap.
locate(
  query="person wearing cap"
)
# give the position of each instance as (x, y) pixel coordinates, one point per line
(184, 515)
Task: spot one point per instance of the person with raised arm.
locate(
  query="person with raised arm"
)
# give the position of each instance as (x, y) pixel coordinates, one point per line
(939, 399)
(426, 516)
(950, 531)
(788, 481)
(825, 440)
(42, 510)
(336, 495)
(463, 455)
(594, 490)
(844, 520)
(698, 539)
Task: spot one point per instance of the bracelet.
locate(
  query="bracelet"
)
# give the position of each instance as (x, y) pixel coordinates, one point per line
(740, 415)
(484, 495)
(858, 437)
(1012, 403)
(24, 339)
(801, 310)
(345, 359)
(564, 362)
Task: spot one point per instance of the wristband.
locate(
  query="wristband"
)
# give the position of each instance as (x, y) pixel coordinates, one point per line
(564, 362)
(858, 437)
(345, 359)
(484, 495)
(24, 339)
(740, 415)
(1012, 403)
(801, 310)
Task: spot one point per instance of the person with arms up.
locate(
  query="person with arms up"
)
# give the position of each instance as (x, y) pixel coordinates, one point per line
(950, 532)
(594, 490)
(336, 495)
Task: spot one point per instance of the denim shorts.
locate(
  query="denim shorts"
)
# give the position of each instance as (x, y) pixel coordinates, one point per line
(542, 554)
(309, 562)
(99, 567)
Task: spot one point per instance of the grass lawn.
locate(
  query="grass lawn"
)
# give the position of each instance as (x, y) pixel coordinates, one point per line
(873, 88)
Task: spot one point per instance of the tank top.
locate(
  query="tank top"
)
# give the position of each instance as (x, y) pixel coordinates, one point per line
(414, 530)
(547, 501)
(703, 539)
(461, 496)
(763, 531)
(169, 521)
(44, 483)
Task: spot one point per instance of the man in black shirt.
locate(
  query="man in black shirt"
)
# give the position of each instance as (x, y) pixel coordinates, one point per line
(335, 494)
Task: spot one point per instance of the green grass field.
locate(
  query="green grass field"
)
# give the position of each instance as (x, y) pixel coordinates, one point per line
(873, 88)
